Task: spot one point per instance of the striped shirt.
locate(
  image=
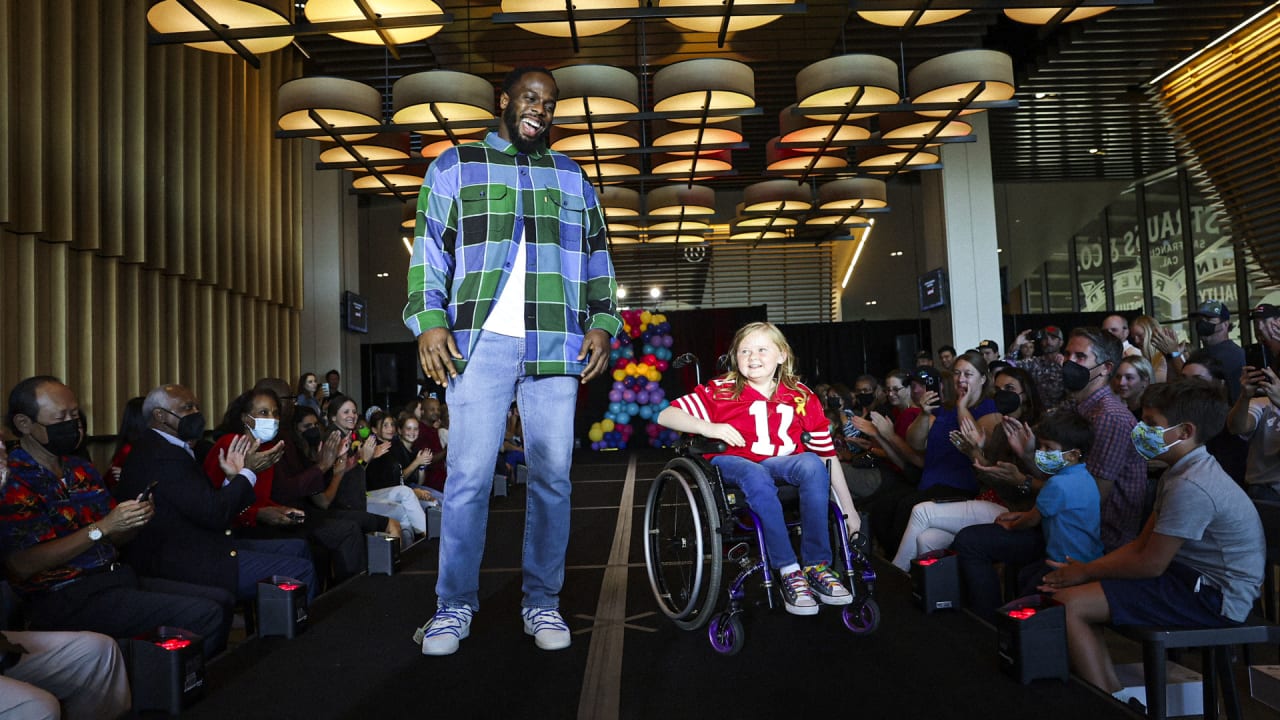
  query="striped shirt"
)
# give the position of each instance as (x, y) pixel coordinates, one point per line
(772, 426)
(476, 202)
(1113, 458)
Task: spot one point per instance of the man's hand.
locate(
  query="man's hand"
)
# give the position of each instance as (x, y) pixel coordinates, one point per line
(232, 459)
(1270, 384)
(279, 515)
(596, 345)
(1007, 520)
(260, 460)
(1069, 573)
(436, 352)
(127, 516)
(930, 401)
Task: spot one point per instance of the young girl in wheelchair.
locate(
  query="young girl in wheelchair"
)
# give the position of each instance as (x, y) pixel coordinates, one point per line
(775, 430)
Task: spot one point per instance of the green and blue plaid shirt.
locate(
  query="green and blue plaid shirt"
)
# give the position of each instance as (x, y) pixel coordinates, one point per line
(476, 202)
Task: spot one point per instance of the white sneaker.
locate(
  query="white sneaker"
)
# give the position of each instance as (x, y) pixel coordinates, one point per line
(444, 631)
(547, 627)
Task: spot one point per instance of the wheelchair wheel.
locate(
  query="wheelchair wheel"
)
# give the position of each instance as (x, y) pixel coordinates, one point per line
(862, 618)
(682, 548)
(726, 634)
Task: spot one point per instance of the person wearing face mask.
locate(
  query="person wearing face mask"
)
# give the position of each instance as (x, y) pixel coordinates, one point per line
(1063, 522)
(1213, 327)
(62, 533)
(191, 538)
(1199, 559)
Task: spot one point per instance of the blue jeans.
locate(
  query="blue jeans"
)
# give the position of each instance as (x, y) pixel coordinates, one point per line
(757, 479)
(260, 559)
(478, 402)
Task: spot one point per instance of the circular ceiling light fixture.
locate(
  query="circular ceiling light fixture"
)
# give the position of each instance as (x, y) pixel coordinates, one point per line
(835, 81)
(684, 87)
(339, 102)
(952, 77)
(457, 96)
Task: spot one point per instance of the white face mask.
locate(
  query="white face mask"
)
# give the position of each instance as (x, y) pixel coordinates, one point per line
(265, 429)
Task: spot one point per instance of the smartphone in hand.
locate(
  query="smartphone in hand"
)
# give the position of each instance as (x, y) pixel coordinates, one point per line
(146, 494)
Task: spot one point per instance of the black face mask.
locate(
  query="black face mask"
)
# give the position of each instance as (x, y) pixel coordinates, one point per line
(1205, 328)
(865, 399)
(1007, 401)
(1075, 376)
(190, 427)
(64, 437)
(312, 435)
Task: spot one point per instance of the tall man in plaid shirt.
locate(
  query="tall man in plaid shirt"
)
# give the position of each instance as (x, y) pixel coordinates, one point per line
(511, 292)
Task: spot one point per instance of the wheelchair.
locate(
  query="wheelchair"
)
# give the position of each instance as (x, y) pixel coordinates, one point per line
(690, 517)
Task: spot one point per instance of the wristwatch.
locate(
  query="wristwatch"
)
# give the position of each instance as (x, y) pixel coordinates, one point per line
(95, 533)
(1175, 354)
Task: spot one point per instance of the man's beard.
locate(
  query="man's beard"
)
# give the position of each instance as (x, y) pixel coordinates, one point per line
(512, 121)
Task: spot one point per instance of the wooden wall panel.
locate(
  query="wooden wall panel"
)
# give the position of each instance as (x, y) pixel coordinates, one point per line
(28, 113)
(87, 209)
(115, 114)
(149, 221)
(58, 136)
(6, 65)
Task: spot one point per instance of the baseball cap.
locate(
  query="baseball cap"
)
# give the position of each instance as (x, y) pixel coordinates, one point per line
(1265, 311)
(995, 366)
(1053, 330)
(989, 345)
(1213, 308)
(924, 355)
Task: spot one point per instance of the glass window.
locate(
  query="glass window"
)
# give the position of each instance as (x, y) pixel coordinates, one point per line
(1090, 268)
(1126, 265)
(1058, 275)
(1168, 270)
(1215, 260)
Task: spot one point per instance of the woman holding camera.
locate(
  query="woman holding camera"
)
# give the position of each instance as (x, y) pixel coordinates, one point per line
(948, 472)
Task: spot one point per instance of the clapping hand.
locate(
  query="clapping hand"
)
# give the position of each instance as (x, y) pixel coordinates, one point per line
(1166, 341)
(423, 458)
(259, 460)
(232, 458)
(1021, 440)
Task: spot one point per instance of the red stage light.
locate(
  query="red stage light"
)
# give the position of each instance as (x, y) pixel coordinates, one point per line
(927, 562)
(288, 587)
(174, 643)
(1022, 613)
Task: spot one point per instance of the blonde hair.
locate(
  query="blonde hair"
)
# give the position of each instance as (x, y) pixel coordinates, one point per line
(1150, 326)
(1140, 365)
(786, 372)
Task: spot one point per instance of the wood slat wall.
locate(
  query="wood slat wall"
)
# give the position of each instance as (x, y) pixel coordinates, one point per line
(1222, 110)
(150, 225)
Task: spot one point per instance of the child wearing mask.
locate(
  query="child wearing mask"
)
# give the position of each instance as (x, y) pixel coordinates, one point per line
(775, 430)
(1199, 559)
(1064, 523)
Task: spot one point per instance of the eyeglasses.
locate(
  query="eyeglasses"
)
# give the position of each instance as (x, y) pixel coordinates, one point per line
(900, 388)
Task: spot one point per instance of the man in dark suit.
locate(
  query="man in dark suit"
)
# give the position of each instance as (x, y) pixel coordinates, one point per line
(190, 537)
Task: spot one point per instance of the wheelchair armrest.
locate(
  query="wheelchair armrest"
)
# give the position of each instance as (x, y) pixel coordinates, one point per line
(699, 445)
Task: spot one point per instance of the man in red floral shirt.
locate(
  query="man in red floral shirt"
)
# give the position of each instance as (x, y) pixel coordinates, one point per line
(59, 529)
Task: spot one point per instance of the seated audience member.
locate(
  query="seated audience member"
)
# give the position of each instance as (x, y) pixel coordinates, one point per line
(1118, 327)
(1257, 419)
(132, 425)
(1130, 380)
(1199, 559)
(933, 525)
(513, 440)
(1144, 332)
(308, 392)
(189, 539)
(384, 482)
(347, 492)
(1213, 327)
(431, 436)
(60, 528)
(1062, 524)
(79, 675)
(946, 356)
(1086, 374)
(1046, 367)
(948, 473)
(1228, 448)
(990, 350)
(301, 479)
(414, 463)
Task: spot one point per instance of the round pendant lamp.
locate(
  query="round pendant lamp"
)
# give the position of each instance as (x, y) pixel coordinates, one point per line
(800, 129)
(607, 90)
(458, 96)
(900, 18)
(339, 10)
(667, 134)
(169, 16)
(383, 146)
(711, 23)
(910, 128)
(339, 102)
(606, 142)
(1043, 16)
(683, 86)
(561, 29)
(692, 200)
(848, 193)
(834, 82)
(776, 195)
(950, 78)
(787, 161)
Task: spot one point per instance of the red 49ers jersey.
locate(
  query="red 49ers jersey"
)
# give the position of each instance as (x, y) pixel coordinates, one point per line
(772, 427)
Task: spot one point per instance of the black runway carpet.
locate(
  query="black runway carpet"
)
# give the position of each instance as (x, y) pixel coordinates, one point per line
(357, 659)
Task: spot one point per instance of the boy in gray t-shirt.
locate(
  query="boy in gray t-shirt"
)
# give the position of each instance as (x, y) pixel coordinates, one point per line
(1199, 559)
